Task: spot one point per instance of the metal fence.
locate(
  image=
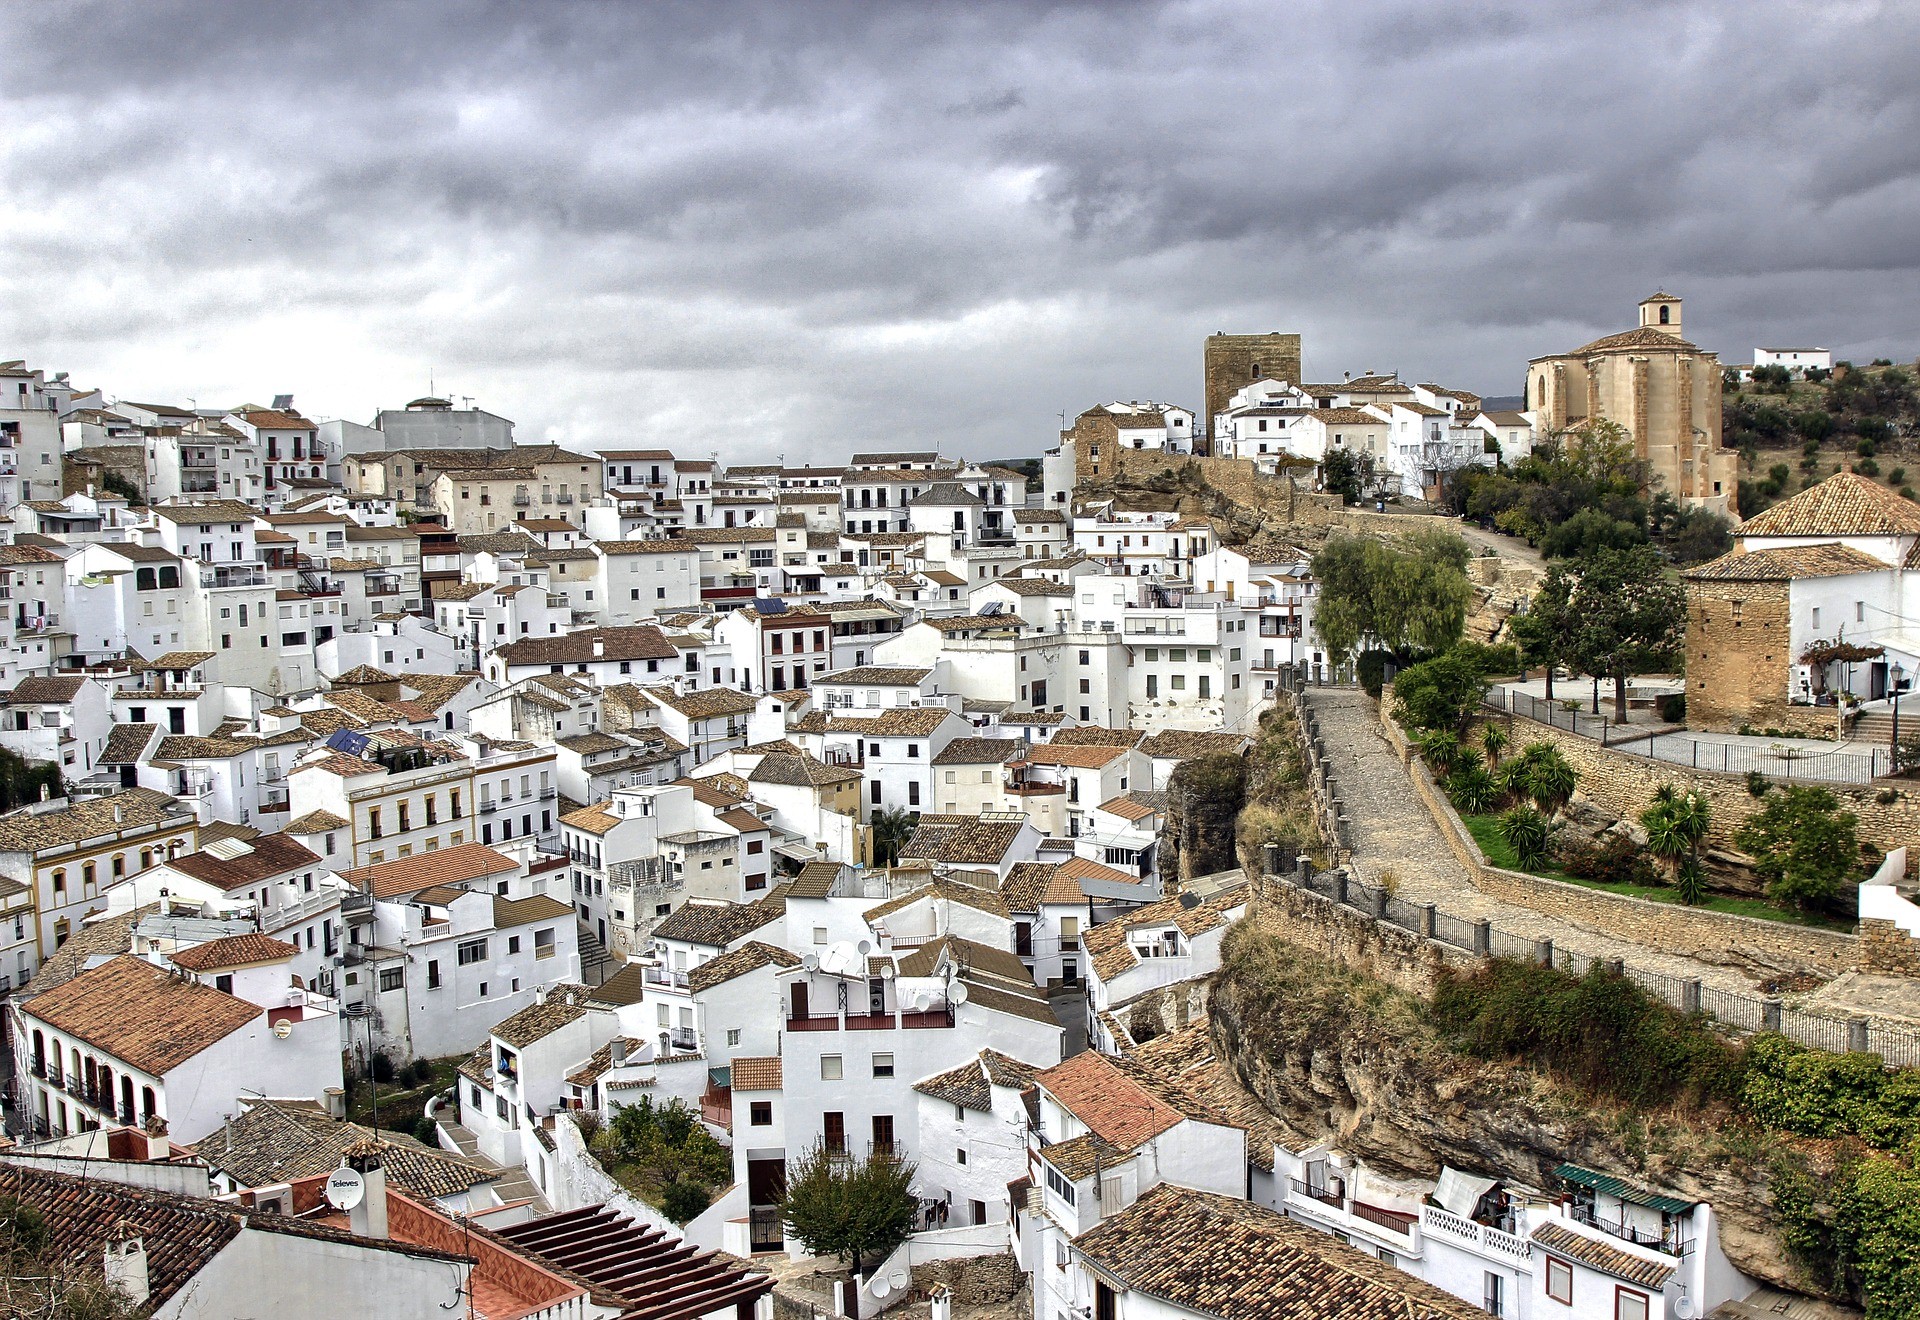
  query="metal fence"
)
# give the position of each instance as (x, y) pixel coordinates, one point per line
(1784, 759)
(1897, 1045)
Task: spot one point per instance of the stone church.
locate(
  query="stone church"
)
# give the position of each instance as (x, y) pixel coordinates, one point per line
(1662, 389)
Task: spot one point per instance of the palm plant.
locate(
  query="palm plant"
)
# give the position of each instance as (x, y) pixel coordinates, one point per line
(1676, 824)
(891, 826)
(1441, 748)
(1494, 740)
(1472, 789)
(1541, 775)
(1526, 832)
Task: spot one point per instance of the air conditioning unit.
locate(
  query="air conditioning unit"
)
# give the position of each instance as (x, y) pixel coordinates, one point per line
(273, 1199)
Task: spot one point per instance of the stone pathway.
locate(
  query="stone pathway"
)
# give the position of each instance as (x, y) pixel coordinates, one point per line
(515, 1183)
(1392, 831)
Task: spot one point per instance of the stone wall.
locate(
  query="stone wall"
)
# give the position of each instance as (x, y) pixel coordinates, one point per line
(1887, 950)
(974, 1280)
(1624, 784)
(1609, 778)
(1383, 951)
(1738, 639)
(1232, 362)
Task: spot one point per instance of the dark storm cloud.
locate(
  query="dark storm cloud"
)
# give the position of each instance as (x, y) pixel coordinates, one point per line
(811, 227)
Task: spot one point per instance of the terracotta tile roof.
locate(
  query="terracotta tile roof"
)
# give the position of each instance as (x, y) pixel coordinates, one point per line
(718, 924)
(1641, 336)
(899, 722)
(1128, 806)
(971, 1084)
(975, 622)
(707, 703)
(234, 951)
(1113, 1106)
(563, 1004)
(272, 419)
(756, 1074)
(1563, 1241)
(961, 840)
(34, 691)
(716, 790)
(1223, 1257)
(1111, 952)
(1032, 586)
(1180, 744)
(1078, 757)
(1182, 1068)
(127, 743)
(600, 1062)
(624, 987)
(875, 676)
(26, 831)
(595, 819)
(510, 912)
(1095, 735)
(1029, 884)
(1827, 559)
(443, 866)
(1037, 718)
(139, 1013)
(749, 957)
(981, 751)
(980, 963)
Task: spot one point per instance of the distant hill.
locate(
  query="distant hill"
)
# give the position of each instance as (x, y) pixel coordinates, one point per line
(1793, 433)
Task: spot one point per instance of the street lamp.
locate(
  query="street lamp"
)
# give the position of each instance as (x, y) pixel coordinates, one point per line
(1898, 673)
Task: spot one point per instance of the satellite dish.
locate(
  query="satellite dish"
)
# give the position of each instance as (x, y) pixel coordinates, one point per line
(899, 1279)
(887, 971)
(1683, 1307)
(958, 994)
(345, 1188)
(881, 1287)
(865, 947)
(811, 963)
(283, 1028)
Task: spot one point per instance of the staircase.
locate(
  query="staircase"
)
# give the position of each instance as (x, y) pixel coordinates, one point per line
(595, 962)
(1874, 728)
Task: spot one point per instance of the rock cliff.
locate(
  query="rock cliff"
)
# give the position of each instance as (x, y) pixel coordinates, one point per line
(1343, 1059)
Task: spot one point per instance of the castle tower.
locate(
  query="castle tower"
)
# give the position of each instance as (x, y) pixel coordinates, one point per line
(1234, 361)
(1661, 312)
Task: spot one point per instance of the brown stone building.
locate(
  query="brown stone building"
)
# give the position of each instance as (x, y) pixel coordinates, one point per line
(1662, 389)
(1232, 361)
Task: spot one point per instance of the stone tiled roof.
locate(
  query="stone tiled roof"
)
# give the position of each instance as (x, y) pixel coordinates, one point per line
(1845, 504)
(800, 769)
(26, 831)
(563, 1004)
(876, 676)
(718, 924)
(40, 691)
(443, 866)
(140, 1014)
(705, 704)
(1029, 884)
(1095, 735)
(126, 743)
(1079, 757)
(511, 912)
(637, 642)
(749, 957)
(276, 1141)
(1826, 559)
(971, 1084)
(1032, 586)
(1233, 1259)
(981, 751)
(961, 840)
(1112, 953)
(981, 900)
(317, 822)
(1180, 744)
(1564, 1241)
(595, 819)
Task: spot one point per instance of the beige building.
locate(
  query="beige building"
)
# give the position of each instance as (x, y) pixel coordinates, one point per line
(534, 483)
(1662, 389)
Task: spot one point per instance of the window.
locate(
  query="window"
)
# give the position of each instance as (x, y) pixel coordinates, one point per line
(471, 952)
(760, 1113)
(1494, 1297)
(819, 934)
(223, 983)
(1058, 1185)
(829, 1067)
(883, 1065)
(392, 978)
(960, 1156)
(1560, 1281)
(733, 1037)
(1629, 1305)
(433, 973)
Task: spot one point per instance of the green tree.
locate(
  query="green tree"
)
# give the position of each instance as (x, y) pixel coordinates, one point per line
(675, 1156)
(1545, 630)
(1802, 844)
(1676, 824)
(1412, 596)
(892, 827)
(1629, 617)
(1439, 694)
(1347, 474)
(1541, 775)
(1527, 832)
(858, 1210)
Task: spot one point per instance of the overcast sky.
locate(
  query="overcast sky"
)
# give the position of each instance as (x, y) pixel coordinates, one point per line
(809, 228)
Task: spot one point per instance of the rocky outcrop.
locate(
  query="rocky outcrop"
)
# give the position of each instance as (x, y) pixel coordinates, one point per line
(1342, 1059)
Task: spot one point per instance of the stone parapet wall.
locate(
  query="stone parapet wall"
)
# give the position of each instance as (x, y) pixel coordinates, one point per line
(1887, 950)
(1385, 952)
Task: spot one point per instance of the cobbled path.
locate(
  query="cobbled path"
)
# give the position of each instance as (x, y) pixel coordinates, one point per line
(1392, 831)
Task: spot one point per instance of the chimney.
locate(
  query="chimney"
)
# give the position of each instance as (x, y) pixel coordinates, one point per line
(119, 810)
(617, 1052)
(599, 648)
(126, 1269)
(159, 1149)
(46, 792)
(369, 1218)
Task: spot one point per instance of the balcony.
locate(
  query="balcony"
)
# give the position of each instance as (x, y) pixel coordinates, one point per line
(829, 1023)
(664, 976)
(519, 501)
(1488, 1239)
(563, 498)
(685, 1040)
(870, 1022)
(1668, 1241)
(233, 578)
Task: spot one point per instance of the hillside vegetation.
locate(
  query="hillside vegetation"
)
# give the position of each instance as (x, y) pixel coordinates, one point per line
(1793, 433)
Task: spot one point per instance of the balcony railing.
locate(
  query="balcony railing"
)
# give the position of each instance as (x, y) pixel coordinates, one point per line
(829, 1023)
(1670, 1242)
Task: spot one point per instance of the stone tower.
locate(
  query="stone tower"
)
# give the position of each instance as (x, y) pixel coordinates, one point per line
(1661, 312)
(1233, 361)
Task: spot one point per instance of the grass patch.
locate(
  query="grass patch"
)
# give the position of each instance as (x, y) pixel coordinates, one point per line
(401, 1107)
(1486, 833)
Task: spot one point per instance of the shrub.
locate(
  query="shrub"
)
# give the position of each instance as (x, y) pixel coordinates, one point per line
(681, 1200)
(1472, 789)
(1866, 467)
(427, 1132)
(1439, 693)
(1867, 447)
(382, 1068)
(1501, 659)
(1600, 1032)
(1493, 741)
(1673, 708)
(1527, 833)
(1802, 844)
(1540, 774)
(1690, 882)
(1615, 860)
(1757, 784)
(1440, 748)
(1372, 669)
(1897, 477)
(1817, 1094)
